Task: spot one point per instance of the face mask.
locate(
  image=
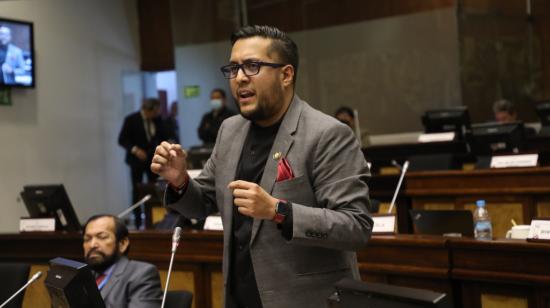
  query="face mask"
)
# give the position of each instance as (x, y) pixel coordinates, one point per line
(216, 103)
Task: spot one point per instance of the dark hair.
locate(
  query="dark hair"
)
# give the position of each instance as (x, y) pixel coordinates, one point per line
(504, 106)
(219, 90)
(150, 104)
(121, 232)
(281, 43)
(345, 109)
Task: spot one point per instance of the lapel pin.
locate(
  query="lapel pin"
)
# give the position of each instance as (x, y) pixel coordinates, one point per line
(277, 156)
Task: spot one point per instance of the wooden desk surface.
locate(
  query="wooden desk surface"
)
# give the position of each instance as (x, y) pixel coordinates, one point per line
(486, 181)
(463, 268)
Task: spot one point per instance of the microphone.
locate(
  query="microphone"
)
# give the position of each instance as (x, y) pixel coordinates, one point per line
(130, 209)
(357, 127)
(176, 239)
(175, 242)
(33, 279)
(403, 171)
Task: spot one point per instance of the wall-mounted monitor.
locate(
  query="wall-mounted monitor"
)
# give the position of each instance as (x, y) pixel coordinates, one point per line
(16, 53)
(51, 201)
(456, 119)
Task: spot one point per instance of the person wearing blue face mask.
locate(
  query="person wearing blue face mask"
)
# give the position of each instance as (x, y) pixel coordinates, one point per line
(211, 122)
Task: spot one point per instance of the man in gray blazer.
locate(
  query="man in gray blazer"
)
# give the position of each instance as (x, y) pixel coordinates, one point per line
(122, 282)
(288, 180)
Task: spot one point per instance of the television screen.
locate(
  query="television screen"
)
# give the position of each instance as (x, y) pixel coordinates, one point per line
(16, 53)
(455, 119)
(51, 201)
(493, 138)
(71, 284)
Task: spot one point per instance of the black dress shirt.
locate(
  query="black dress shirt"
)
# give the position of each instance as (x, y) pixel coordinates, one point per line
(256, 150)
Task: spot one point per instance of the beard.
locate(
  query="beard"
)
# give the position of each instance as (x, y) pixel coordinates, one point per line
(99, 265)
(267, 105)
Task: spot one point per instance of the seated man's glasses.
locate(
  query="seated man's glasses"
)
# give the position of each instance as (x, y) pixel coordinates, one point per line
(249, 68)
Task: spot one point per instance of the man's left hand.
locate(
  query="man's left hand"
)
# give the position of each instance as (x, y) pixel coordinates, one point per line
(252, 200)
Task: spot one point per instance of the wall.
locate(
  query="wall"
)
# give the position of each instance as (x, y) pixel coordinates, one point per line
(390, 69)
(504, 54)
(65, 130)
(199, 65)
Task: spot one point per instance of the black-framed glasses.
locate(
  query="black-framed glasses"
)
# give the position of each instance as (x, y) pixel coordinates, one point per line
(251, 68)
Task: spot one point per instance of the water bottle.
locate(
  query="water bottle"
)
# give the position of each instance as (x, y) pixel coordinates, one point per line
(483, 229)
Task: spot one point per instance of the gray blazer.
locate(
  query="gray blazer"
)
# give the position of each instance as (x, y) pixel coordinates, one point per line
(133, 284)
(330, 201)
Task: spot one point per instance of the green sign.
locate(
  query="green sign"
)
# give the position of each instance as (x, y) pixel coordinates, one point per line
(191, 91)
(5, 97)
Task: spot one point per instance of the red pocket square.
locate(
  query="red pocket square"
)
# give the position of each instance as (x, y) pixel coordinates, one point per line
(284, 172)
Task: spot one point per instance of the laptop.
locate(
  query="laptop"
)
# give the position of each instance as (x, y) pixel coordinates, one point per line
(443, 222)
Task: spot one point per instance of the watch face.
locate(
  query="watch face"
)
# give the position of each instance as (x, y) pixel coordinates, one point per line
(282, 207)
(281, 211)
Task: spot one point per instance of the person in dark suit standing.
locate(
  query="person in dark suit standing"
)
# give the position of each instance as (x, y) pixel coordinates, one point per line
(211, 122)
(121, 282)
(141, 132)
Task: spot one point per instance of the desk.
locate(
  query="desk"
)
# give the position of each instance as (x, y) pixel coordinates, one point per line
(518, 193)
(471, 272)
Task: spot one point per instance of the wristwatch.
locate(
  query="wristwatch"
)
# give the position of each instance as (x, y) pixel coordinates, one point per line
(282, 209)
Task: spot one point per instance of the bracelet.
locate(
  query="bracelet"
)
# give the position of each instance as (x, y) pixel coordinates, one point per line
(182, 187)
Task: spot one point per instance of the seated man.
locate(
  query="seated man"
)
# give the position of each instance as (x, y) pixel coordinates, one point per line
(505, 112)
(122, 282)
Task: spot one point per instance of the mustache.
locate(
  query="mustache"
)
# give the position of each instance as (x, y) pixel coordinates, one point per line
(95, 250)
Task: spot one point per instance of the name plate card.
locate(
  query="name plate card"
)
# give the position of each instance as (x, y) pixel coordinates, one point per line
(37, 224)
(437, 137)
(213, 223)
(540, 230)
(383, 224)
(522, 160)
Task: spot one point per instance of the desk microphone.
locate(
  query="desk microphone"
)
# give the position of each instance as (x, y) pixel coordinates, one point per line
(33, 279)
(175, 243)
(403, 171)
(128, 210)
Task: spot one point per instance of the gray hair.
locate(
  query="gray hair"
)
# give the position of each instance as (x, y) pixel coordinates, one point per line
(504, 105)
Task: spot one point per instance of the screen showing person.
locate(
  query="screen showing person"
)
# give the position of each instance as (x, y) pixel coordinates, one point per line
(16, 53)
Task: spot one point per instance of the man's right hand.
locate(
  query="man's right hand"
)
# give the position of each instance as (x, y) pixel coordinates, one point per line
(170, 162)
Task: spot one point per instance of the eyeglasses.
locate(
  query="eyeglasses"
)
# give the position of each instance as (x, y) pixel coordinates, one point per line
(249, 68)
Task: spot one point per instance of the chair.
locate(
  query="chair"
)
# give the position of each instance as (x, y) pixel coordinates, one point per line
(178, 299)
(13, 277)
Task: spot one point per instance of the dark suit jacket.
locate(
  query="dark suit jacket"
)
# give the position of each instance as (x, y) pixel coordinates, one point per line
(210, 124)
(133, 284)
(329, 196)
(133, 134)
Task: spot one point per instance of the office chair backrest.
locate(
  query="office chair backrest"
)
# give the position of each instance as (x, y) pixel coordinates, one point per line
(179, 299)
(13, 277)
